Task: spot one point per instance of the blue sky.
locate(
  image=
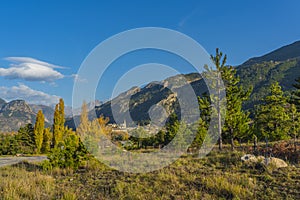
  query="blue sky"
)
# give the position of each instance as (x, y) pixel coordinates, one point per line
(62, 33)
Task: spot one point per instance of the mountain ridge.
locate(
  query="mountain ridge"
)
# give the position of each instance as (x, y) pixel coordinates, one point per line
(282, 65)
(281, 54)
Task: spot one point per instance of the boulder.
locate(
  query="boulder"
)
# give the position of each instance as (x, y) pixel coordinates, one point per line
(274, 162)
(249, 158)
(260, 158)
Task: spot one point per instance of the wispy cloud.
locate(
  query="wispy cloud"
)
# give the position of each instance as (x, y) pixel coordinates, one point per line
(188, 17)
(77, 78)
(31, 69)
(28, 94)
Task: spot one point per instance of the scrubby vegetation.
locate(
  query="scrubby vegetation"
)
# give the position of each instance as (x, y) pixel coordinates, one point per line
(220, 175)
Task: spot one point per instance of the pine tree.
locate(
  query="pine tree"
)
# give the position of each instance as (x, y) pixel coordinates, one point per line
(172, 128)
(272, 117)
(236, 120)
(296, 94)
(25, 138)
(219, 62)
(39, 130)
(294, 123)
(203, 123)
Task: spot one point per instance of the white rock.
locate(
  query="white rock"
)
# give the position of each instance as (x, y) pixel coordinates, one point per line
(276, 162)
(249, 158)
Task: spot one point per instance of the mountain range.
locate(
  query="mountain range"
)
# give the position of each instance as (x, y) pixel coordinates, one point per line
(282, 65)
(17, 113)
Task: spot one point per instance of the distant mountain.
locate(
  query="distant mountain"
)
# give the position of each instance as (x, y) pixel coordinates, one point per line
(2, 102)
(15, 114)
(47, 111)
(282, 54)
(281, 65)
(69, 111)
(18, 113)
(142, 99)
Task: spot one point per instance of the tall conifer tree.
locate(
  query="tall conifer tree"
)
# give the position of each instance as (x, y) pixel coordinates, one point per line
(272, 117)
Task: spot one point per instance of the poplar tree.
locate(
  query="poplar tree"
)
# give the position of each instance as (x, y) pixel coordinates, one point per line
(46, 141)
(84, 126)
(39, 130)
(58, 123)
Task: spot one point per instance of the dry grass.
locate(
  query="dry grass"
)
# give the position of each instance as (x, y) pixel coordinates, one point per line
(18, 183)
(217, 176)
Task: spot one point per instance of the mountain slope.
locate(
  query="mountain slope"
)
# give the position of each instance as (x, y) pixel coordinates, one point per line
(141, 100)
(15, 114)
(47, 111)
(2, 102)
(282, 54)
(282, 65)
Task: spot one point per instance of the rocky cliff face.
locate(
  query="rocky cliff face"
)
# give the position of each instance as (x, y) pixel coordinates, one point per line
(15, 114)
(47, 111)
(141, 100)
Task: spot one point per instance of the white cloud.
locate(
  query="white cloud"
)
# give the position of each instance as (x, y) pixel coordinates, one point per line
(77, 78)
(28, 94)
(30, 69)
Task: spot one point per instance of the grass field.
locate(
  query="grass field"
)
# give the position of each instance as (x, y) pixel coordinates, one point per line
(220, 175)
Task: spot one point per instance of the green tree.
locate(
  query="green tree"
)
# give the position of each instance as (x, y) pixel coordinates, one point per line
(272, 116)
(39, 131)
(295, 123)
(172, 128)
(296, 94)
(139, 136)
(70, 152)
(236, 120)
(202, 126)
(25, 139)
(9, 144)
(182, 134)
(46, 141)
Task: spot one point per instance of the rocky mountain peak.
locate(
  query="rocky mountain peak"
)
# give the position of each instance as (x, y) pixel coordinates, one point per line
(16, 105)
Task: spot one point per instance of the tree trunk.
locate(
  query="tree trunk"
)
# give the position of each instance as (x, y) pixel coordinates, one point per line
(231, 139)
(255, 144)
(295, 143)
(232, 144)
(219, 114)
